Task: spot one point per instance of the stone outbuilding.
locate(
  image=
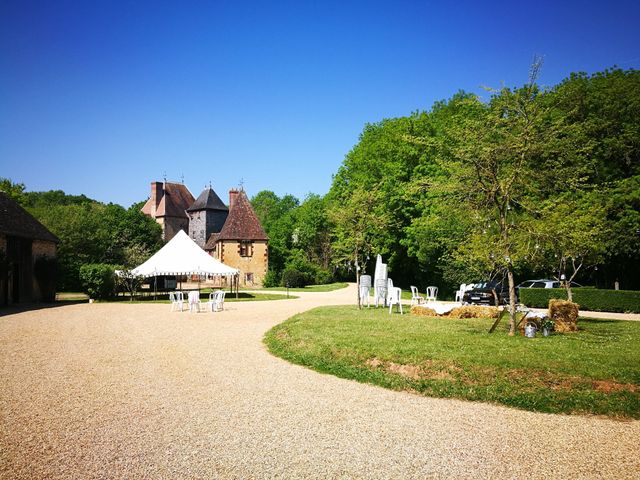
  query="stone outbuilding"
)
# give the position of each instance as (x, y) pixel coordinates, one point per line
(242, 243)
(27, 256)
(168, 205)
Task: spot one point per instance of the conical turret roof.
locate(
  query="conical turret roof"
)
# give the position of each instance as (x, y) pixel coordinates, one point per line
(242, 222)
(208, 200)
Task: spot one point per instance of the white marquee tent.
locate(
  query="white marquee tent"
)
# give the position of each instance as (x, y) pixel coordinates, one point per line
(182, 256)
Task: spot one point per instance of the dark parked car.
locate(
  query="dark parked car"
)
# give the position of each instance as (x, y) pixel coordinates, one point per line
(487, 293)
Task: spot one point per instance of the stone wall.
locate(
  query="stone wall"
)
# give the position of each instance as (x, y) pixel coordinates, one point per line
(215, 221)
(203, 223)
(41, 247)
(172, 225)
(255, 265)
(198, 227)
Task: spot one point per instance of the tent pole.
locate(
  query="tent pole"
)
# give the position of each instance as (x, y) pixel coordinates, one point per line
(155, 287)
(237, 285)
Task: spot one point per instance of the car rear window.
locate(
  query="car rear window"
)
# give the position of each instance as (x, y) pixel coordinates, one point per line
(538, 285)
(526, 284)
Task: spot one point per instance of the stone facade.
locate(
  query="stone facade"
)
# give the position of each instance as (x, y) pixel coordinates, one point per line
(40, 248)
(172, 225)
(251, 258)
(202, 223)
(242, 243)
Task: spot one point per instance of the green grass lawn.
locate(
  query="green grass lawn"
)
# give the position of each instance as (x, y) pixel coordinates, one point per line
(596, 371)
(329, 287)
(71, 297)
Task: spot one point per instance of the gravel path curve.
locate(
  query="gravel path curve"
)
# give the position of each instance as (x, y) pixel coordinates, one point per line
(135, 391)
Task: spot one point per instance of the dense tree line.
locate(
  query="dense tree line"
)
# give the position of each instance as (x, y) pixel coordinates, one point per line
(532, 182)
(90, 232)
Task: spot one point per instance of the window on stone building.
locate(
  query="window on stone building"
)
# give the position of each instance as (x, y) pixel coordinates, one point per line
(246, 248)
(248, 278)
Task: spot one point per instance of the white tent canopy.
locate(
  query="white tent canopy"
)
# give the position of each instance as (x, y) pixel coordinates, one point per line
(182, 256)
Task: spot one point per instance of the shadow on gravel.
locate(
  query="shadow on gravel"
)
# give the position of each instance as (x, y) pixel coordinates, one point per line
(29, 307)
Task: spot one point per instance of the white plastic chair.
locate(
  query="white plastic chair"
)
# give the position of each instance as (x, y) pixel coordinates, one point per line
(416, 298)
(381, 291)
(395, 298)
(194, 302)
(216, 300)
(389, 288)
(432, 294)
(365, 285)
(460, 292)
(177, 300)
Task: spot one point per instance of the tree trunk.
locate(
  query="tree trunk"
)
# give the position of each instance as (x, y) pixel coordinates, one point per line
(567, 285)
(512, 302)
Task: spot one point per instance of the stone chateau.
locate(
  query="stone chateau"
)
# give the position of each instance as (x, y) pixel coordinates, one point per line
(232, 234)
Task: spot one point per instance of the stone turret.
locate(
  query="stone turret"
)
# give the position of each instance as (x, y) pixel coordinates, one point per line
(207, 215)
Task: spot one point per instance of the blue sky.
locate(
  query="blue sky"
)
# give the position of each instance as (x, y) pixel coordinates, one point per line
(102, 98)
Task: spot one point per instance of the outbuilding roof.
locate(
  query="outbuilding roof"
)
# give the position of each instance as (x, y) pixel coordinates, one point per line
(17, 222)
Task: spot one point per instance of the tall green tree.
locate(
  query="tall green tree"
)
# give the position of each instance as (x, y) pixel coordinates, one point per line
(494, 172)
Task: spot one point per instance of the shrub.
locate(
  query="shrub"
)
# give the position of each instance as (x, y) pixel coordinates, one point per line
(314, 273)
(98, 280)
(593, 299)
(295, 278)
(271, 279)
(564, 315)
(323, 276)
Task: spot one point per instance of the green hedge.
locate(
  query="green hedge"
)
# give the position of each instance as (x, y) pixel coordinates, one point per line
(592, 299)
(98, 280)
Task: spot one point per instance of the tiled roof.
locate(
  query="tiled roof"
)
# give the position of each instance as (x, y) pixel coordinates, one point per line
(211, 242)
(242, 222)
(175, 200)
(208, 200)
(16, 221)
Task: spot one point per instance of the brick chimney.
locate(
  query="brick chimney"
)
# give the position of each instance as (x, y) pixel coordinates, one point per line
(157, 189)
(233, 195)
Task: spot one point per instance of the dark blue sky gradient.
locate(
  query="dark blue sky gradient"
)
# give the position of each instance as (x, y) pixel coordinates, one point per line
(101, 98)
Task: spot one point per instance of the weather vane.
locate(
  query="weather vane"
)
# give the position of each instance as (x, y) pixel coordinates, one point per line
(242, 184)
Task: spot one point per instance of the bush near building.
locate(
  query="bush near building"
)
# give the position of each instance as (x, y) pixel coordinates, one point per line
(98, 280)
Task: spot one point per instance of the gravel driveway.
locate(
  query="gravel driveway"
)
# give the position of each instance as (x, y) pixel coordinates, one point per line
(135, 391)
